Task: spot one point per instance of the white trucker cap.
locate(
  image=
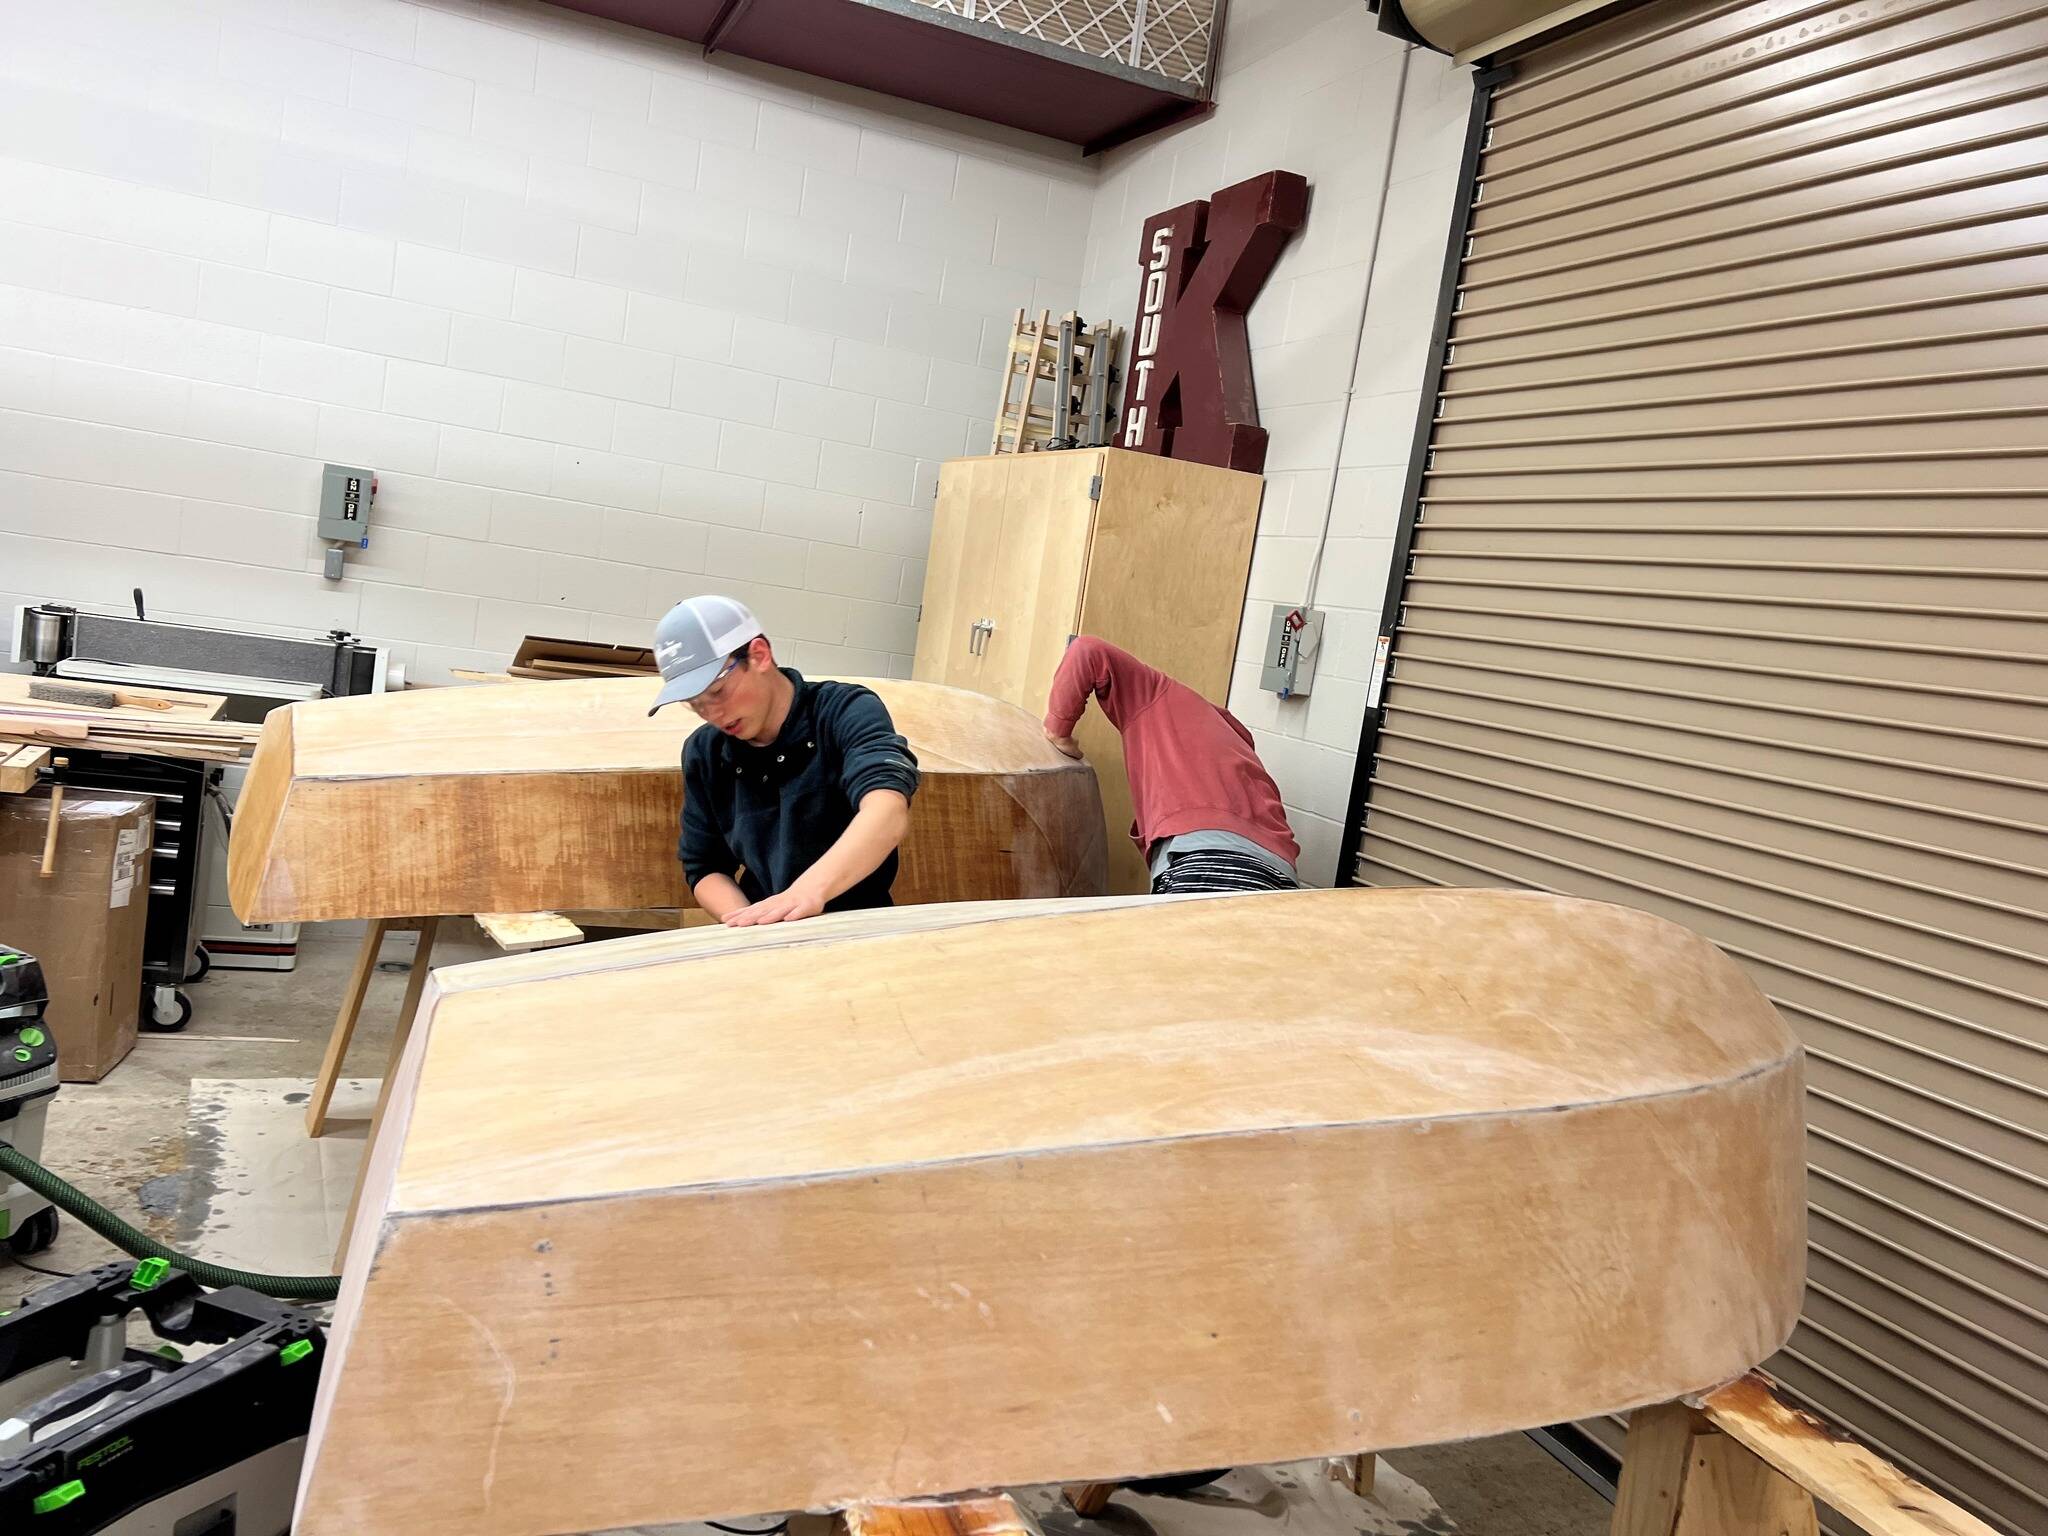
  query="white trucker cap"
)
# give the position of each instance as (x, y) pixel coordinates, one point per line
(692, 642)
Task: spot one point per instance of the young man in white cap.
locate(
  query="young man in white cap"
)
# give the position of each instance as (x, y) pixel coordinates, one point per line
(795, 794)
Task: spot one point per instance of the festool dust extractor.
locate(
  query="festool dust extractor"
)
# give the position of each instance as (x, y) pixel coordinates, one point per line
(28, 1081)
(101, 1439)
(98, 1438)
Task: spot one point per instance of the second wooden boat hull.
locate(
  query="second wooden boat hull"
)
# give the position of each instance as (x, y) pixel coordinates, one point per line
(566, 796)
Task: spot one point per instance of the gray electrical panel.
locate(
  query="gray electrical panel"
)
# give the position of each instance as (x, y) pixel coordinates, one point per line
(346, 495)
(1291, 644)
(345, 498)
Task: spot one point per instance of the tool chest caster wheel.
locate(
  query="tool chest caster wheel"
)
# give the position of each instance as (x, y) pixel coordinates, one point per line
(168, 1011)
(34, 1235)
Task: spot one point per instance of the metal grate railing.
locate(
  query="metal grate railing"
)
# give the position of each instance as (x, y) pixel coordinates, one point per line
(1173, 38)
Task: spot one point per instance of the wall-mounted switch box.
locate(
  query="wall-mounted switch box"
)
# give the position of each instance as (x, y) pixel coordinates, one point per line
(346, 496)
(1291, 645)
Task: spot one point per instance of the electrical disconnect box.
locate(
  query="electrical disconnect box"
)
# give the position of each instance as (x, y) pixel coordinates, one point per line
(1291, 646)
(346, 496)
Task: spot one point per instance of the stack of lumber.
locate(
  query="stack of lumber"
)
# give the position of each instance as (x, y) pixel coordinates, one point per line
(541, 659)
(544, 671)
(158, 722)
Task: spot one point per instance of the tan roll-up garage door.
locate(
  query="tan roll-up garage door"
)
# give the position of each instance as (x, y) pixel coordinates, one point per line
(1727, 597)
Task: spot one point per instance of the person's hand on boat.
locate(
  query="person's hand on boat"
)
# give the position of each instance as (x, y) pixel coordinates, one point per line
(1066, 744)
(792, 905)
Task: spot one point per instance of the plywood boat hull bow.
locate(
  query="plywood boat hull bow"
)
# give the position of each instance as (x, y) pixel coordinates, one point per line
(565, 796)
(897, 1204)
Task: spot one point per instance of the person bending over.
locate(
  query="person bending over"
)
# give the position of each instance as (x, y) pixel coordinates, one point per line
(1207, 815)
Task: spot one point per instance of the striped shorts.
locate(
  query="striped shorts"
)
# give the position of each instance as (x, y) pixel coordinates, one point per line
(1218, 869)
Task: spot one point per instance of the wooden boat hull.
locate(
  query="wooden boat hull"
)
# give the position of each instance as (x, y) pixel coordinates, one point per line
(565, 796)
(897, 1204)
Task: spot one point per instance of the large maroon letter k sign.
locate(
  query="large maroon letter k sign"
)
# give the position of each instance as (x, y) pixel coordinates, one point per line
(1188, 392)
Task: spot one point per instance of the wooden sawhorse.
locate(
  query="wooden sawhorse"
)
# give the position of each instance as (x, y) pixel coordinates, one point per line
(1741, 1461)
(352, 1010)
(513, 932)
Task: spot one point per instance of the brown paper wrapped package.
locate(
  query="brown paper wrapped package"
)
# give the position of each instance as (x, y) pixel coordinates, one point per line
(85, 923)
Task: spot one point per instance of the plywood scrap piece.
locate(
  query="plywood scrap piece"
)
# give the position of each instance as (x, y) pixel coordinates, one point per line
(1847, 1476)
(565, 798)
(1048, 1192)
(517, 932)
(642, 919)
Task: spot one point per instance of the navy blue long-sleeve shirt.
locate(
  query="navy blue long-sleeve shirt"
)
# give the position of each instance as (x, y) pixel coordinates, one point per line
(764, 815)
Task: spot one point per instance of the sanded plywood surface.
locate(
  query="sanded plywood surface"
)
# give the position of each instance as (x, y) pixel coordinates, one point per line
(1052, 1192)
(566, 796)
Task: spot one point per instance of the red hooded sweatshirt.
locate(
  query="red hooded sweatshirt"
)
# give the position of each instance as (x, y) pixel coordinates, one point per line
(1191, 765)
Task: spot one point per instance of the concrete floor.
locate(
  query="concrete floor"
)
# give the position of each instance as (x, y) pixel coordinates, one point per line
(124, 1142)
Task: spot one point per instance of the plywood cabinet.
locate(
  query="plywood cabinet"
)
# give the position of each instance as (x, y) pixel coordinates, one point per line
(1031, 549)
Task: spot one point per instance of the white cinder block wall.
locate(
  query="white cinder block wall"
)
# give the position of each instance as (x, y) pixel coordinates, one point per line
(1311, 86)
(614, 323)
(617, 323)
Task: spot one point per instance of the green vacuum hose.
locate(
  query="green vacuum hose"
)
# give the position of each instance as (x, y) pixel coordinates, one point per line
(69, 1198)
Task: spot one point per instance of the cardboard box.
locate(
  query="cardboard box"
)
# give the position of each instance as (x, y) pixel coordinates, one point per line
(85, 923)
